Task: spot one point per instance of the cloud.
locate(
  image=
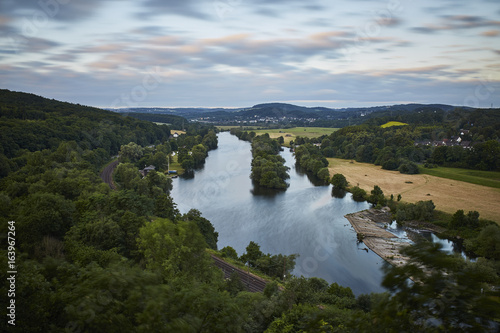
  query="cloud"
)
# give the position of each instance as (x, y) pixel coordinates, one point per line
(388, 21)
(68, 11)
(188, 8)
(490, 33)
(457, 22)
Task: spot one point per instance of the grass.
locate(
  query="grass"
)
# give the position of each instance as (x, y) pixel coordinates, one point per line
(308, 132)
(449, 195)
(175, 165)
(484, 178)
(393, 123)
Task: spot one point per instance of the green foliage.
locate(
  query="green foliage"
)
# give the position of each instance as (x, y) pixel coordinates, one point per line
(487, 244)
(358, 194)
(176, 250)
(252, 254)
(408, 167)
(310, 158)
(278, 266)
(324, 175)
(339, 181)
(421, 211)
(268, 168)
(228, 252)
(166, 207)
(460, 220)
(377, 196)
(444, 293)
(205, 226)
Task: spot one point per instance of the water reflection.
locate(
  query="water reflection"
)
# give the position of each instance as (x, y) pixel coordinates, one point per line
(305, 219)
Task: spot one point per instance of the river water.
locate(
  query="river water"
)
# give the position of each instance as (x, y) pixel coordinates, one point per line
(305, 219)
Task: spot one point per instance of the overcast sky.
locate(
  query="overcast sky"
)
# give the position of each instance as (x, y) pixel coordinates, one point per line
(234, 53)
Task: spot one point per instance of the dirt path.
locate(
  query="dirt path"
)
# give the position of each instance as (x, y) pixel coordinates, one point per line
(448, 195)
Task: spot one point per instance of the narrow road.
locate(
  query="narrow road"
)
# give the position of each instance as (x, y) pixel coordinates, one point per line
(107, 174)
(252, 282)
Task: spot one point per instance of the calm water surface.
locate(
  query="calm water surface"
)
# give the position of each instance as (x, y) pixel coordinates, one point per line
(305, 219)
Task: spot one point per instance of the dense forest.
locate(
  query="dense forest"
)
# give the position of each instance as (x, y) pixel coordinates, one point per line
(91, 259)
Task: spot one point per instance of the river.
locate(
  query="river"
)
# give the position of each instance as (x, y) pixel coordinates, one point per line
(305, 219)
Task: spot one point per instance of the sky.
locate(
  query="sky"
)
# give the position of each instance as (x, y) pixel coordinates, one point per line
(238, 53)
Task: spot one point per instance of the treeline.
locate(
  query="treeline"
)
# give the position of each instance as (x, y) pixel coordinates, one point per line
(310, 158)
(275, 266)
(175, 122)
(194, 149)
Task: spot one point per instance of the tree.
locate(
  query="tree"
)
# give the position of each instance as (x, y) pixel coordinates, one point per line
(131, 152)
(358, 194)
(229, 252)
(166, 207)
(377, 196)
(43, 214)
(324, 174)
(339, 181)
(445, 293)
(176, 250)
(127, 176)
(252, 254)
(205, 226)
(487, 244)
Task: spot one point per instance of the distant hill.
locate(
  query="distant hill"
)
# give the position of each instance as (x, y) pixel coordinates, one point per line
(296, 115)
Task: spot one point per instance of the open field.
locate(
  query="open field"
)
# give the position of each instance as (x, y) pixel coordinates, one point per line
(172, 131)
(393, 123)
(485, 178)
(447, 194)
(308, 132)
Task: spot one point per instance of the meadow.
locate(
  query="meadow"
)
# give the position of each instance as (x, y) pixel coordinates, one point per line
(449, 195)
(288, 133)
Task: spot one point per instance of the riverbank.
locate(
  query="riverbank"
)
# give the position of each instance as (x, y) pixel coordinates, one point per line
(368, 225)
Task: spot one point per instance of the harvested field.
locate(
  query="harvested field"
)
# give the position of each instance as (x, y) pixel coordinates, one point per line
(386, 245)
(448, 195)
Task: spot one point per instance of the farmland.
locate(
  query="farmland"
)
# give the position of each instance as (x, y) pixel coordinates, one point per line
(448, 195)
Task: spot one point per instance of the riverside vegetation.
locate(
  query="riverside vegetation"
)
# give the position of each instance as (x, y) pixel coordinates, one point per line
(91, 259)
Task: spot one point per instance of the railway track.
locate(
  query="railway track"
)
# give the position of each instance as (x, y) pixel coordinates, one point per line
(252, 282)
(107, 174)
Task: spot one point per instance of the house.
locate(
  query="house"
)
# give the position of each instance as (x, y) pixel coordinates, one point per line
(176, 135)
(144, 172)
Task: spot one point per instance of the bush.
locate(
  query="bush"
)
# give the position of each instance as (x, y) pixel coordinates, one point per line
(409, 168)
(339, 181)
(358, 194)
